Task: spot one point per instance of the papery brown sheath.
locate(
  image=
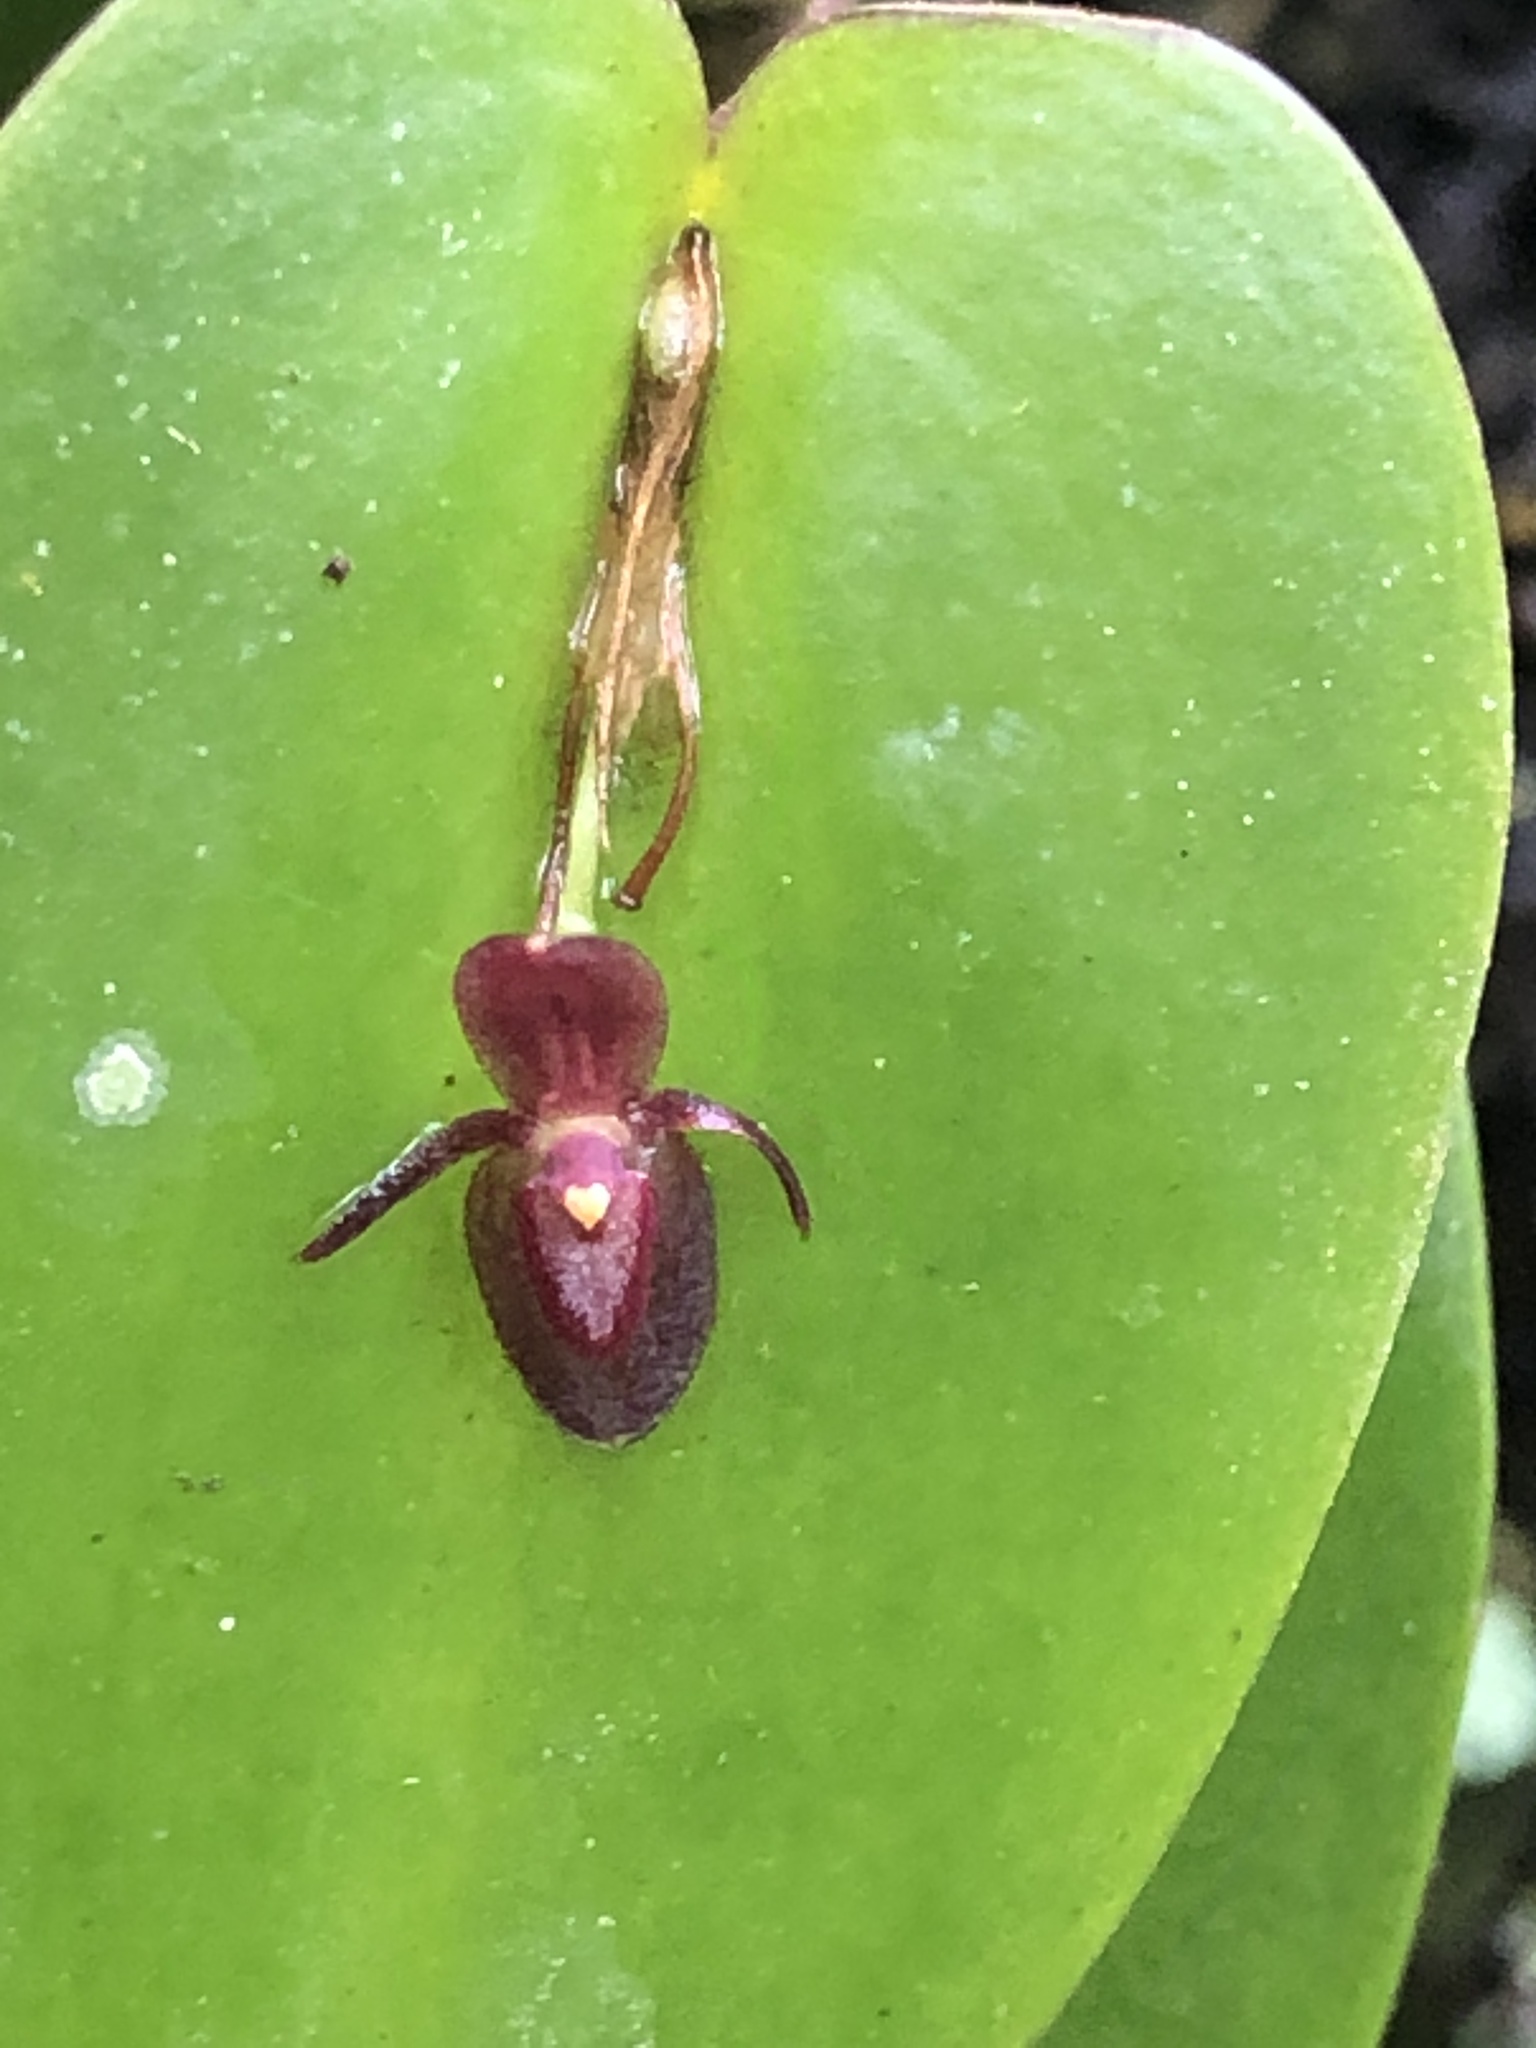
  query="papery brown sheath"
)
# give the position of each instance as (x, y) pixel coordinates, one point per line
(632, 629)
(590, 1222)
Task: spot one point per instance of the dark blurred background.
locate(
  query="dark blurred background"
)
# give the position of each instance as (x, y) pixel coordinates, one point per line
(1438, 99)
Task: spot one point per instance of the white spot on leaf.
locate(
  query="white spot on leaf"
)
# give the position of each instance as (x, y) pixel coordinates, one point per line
(123, 1081)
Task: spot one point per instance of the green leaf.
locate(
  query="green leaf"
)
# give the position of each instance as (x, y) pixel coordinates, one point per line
(1284, 1906)
(1130, 562)
(1088, 477)
(316, 279)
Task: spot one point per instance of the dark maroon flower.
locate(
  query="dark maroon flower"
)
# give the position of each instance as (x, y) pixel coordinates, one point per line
(590, 1221)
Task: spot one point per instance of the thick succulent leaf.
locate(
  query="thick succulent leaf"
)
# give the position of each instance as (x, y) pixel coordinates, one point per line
(1090, 476)
(1099, 614)
(1283, 1908)
(273, 284)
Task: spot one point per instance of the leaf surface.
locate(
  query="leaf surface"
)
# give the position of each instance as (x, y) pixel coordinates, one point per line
(1098, 606)
(1286, 1901)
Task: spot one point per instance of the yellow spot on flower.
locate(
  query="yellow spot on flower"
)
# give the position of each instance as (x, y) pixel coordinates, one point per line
(589, 1205)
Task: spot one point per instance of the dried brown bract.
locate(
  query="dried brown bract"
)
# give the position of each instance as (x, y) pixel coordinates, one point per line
(632, 629)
